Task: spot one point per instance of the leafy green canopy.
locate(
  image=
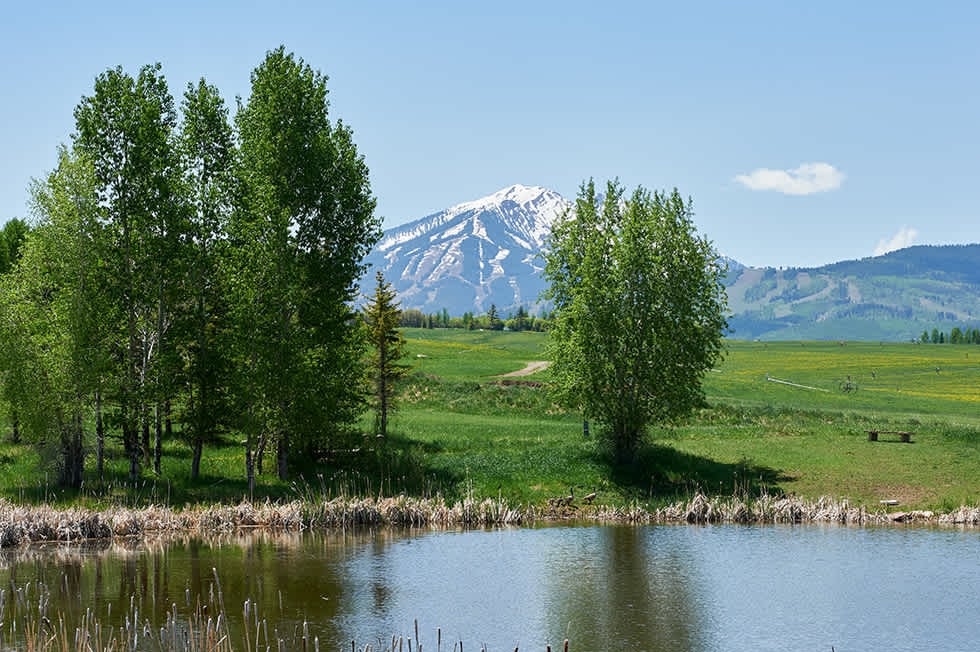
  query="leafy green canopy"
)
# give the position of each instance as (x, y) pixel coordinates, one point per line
(11, 237)
(304, 224)
(125, 130)
(50, 350)
(639, 310)
(186, 272)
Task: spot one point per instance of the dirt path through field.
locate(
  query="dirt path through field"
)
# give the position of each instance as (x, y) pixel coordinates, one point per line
(532, 367)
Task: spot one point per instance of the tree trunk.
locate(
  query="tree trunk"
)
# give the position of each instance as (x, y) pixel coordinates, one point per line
(145, 430)
(282, 457)
(15, 436)
(381, 388)
(134, 465)
(78, 455)
(72, 454)
(158, 444)
(131, 443)
(260, 453)
(384, 414)
(198, 448)
(250, 468)
(130, 402)
(99, 437)
(625, 444)
(158, 434)
(252, 428)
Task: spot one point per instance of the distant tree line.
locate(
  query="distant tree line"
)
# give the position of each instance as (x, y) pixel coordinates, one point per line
(956, 335)
(186, 276)
(521, 320)
(953, 262)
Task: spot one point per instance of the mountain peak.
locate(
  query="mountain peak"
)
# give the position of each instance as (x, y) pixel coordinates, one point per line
(528, 197)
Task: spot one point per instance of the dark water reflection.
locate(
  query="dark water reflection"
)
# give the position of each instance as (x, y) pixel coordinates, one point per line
(603, 587)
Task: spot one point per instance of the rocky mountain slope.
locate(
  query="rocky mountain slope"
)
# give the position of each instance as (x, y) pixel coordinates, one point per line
(474, 255)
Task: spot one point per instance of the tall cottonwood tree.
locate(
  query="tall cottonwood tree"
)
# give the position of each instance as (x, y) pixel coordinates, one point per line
(207, 152)
(639, 310)
(11, 238)
(52, 337)
(381, 317)
(300, 232)
(126, 130)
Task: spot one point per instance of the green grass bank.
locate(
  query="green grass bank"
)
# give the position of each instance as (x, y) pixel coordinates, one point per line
(782, 419)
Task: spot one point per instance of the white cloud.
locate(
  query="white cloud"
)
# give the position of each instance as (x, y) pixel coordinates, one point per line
(904, 238)
(804, 180)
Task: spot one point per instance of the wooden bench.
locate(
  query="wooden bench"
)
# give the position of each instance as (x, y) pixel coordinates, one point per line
(905, 436)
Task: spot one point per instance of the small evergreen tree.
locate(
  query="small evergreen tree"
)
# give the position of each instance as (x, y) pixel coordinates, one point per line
(382, 315)
(520, 319)
(493, 317)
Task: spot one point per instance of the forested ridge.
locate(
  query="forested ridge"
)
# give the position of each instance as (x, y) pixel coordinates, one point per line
(894, 296)
(188, 275)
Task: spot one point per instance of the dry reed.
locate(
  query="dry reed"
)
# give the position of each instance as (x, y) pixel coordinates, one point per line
(23, 524)
(26, 623)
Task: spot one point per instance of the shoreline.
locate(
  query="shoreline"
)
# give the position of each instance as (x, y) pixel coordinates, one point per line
(26, 524)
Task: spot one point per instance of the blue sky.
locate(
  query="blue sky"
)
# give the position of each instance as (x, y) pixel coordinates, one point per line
(804, 134)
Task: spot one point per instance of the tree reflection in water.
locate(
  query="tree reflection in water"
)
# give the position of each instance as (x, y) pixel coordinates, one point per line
(616, 589)
(597, 586)
(289, 578)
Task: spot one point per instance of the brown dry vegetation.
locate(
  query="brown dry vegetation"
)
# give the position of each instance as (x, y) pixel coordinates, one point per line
(20, 525)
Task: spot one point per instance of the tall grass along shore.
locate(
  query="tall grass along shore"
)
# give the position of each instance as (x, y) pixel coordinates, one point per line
(27, 623)
(25, 524)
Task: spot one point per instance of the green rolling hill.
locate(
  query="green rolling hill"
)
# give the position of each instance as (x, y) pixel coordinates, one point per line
(892, 297)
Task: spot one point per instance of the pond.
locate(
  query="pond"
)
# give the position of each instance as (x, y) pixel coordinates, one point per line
(677, 588)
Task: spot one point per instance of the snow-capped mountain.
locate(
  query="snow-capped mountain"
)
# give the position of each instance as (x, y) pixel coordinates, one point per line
(472, 255)
(488, 251)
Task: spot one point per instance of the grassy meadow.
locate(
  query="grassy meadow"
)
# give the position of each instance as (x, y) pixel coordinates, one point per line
(778, 421)
(811, 436)
(805, 435)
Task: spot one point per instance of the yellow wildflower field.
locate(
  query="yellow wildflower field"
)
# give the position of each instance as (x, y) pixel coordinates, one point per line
(893, 378)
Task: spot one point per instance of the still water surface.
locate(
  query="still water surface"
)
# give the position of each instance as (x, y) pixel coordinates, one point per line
(723, 588)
